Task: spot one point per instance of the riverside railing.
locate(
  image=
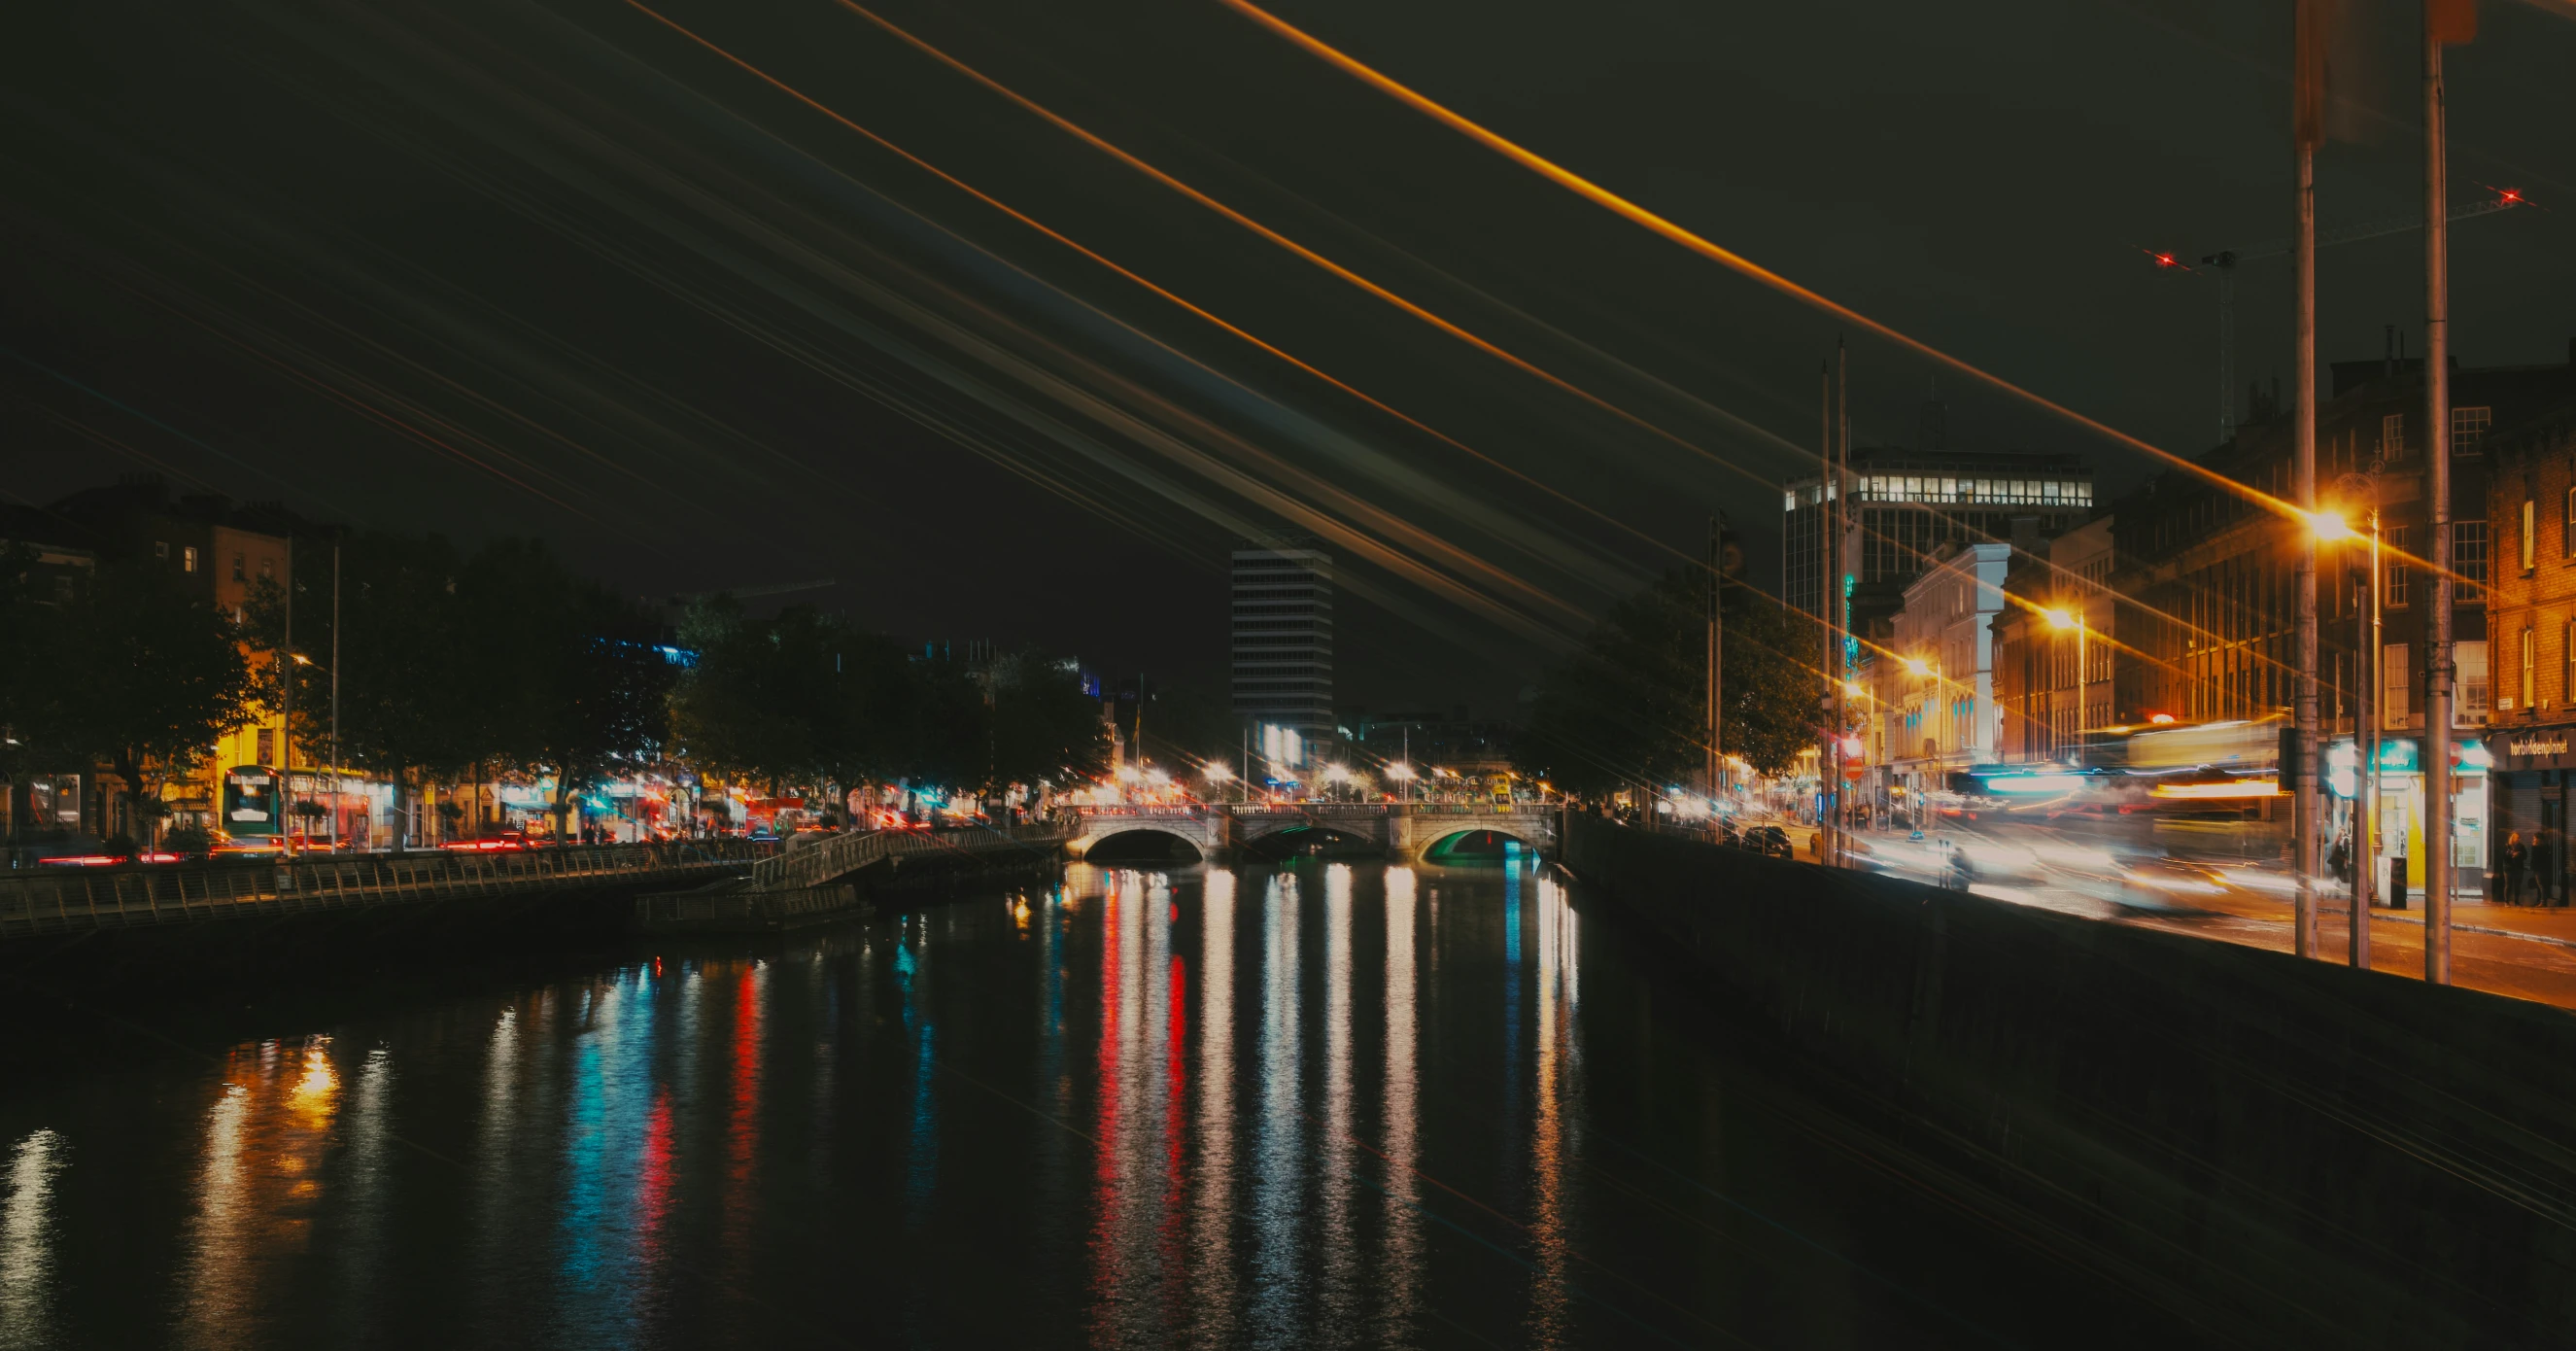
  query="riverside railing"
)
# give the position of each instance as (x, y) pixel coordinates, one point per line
(70, 901)
(840, 855)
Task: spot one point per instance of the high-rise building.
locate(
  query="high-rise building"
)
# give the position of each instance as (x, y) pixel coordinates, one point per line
(1906, 504)
(1283, 648)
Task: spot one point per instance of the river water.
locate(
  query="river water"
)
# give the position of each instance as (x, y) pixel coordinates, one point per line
(1315, 1105)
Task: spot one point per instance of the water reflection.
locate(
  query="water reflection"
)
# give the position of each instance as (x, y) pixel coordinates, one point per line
(1550, 1141)
(1212, 1212)
(26, 1242)
(1400, 1112)
(1207, 1108)
(258, 1186)
(1279, 1165)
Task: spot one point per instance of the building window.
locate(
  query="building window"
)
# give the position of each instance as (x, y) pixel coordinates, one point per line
(2392, 437)
(268, 743)
(2395, 688)
(267, 568)
(241, 574)
(2471, 658)
(2528, 545)
(2469, 429)
(161, 549)
(188, 555)
(2399, 579)
(2567, 664)
(2567, 527)
(2469, 559)
(2530, 694)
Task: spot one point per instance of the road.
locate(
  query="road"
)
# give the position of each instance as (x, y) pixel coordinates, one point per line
(2522, 951)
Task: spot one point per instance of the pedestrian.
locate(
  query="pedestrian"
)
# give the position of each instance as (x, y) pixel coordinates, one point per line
(2339, 860)
(2509, 878)
(2526, 874)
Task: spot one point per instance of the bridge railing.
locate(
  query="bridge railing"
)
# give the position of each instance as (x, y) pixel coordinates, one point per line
(841, 855)
(58, 902)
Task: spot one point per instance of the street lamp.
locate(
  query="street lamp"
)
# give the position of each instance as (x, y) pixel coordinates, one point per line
(2363, 488)
(1402, 773)
(2061, 621)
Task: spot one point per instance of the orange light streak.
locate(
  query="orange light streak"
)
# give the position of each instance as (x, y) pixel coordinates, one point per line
(1492, 573)
(1481, 344)
(1621, 206)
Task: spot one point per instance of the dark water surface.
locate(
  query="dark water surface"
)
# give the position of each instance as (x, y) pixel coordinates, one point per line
(1317, 1105)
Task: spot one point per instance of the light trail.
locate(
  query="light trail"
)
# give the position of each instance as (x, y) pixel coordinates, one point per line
(1621, 206)
(1445, 325)
(1328, 265)
(1432, 545)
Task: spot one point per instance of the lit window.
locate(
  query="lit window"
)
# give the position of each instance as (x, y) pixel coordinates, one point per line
(2530, 527)
(2471, 660)
(2530, 667)
(2392, 437)
(188, 555)
(267, 568)
(2399, 580)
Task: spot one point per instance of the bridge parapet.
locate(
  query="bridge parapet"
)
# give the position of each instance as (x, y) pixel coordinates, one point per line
(838, 856)
(1404, 830)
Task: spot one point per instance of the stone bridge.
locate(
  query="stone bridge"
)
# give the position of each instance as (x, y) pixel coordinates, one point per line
(1409, 832)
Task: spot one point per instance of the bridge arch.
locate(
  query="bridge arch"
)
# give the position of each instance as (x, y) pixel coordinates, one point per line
(1478, 843)
(1291, 839)
(1137, 842)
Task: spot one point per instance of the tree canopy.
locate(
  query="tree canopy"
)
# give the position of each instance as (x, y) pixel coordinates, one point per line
(1628, 709)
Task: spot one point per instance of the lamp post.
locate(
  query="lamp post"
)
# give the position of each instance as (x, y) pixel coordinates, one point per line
(2062, 621)
(1924, 670)
(2361, 488)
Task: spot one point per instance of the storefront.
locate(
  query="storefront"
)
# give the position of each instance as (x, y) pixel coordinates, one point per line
(2401, 807)
(2535, 773)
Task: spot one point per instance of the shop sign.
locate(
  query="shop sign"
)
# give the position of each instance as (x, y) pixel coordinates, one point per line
(2535, 748)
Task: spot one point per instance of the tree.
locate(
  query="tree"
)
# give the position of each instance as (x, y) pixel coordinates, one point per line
(144, 678)
(1630, 708)
(411, 700)
(1043, 725)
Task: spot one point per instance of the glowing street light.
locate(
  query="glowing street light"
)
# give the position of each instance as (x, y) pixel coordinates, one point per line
(2061, 620)
(1916, 666)
(1216, 772)
(1399, 771)
(2330, 528)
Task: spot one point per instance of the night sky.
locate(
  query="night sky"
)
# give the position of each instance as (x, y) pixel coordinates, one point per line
(560, 269)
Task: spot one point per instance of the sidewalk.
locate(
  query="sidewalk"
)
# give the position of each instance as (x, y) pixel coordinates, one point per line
(2522, 951)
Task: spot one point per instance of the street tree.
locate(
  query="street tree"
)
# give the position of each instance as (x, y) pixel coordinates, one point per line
(1629, 708)
(147, 678)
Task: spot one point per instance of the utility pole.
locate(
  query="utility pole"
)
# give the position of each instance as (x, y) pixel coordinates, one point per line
(1716, 773)
(2365, 788)
(1825, 586)
(2444, 21)
(2308, 116)
(335, 694)
(286, 722)
(1842, 565)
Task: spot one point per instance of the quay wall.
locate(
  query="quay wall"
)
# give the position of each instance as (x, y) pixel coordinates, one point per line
(2288, 1152)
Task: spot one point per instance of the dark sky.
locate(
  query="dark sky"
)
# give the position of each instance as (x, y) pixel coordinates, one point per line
(556, 269)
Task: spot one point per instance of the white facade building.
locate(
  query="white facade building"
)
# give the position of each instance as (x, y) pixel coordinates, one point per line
(1936, 684)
